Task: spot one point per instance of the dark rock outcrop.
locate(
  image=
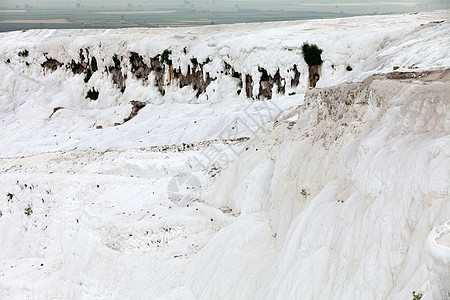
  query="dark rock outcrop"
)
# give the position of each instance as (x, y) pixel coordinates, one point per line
(230, 71)
(55, 110)
(267, 83)
(137, 106)
(249, 86)
(314, 75)
(158, 70)
(165, 74)
(51, 64)
(193, 77)
(117, 76)
(81, 66)
(138, 67)
(296, 79)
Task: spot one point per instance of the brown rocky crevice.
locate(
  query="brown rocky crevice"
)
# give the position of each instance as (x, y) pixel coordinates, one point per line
(194, 77)
(314, 75)
(55, 110)
(117, 76)
(248, 86)
(268, 82)
(51, 64)
(296, 79)
(158, 70)
(230, 71)
(81, 66)
(138, 67)
(136, 107)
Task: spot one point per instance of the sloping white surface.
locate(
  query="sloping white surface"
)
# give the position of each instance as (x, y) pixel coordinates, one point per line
(438, 261)
(337, 206)
(354, 192)
(367, 44)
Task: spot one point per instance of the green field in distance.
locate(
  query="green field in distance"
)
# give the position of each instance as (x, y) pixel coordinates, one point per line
(52, 14)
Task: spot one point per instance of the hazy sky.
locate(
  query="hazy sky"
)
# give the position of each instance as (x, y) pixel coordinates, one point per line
(273, 3)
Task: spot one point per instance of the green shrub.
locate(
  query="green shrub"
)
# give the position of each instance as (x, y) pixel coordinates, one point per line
(92, 94)
(23, 53)
(28, 210)
(349, 68)
(194, 61)
(94, 64)
(165, 57)
(311, 54)
(417, 296)
(207, 61)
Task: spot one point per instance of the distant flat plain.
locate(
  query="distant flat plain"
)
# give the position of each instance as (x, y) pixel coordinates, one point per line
(52, 14)
(37, 19)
